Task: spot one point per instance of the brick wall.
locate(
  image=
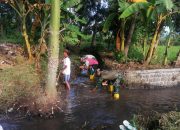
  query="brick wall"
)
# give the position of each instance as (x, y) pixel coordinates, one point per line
(159, 78)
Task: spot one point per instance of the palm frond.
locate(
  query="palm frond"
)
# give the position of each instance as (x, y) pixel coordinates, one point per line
(108, 21)
(71, 3)
(123, 5)
(135, 7)
(168, 4)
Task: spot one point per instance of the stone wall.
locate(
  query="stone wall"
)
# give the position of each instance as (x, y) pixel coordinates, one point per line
(146, 79)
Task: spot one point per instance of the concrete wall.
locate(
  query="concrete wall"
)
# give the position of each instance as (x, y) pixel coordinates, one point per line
(146, 79)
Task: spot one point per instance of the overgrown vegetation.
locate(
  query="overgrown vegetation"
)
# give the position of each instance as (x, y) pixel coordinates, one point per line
(19, 85)
(157, 121)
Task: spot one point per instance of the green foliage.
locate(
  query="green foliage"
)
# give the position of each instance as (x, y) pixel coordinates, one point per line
(119, 56)
(77, 19)
(72, 34)
(172, 54)
(108, 22)
(135, 7)
(100, 47)
(168, 4)
(136, 53)
(122, 5)
(70, 3)
(12, 38)
(47, 1)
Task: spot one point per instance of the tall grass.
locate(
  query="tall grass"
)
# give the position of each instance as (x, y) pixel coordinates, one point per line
(136, 54)
(159, 55)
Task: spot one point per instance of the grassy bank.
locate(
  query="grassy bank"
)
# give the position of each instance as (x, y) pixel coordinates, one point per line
(136, 54)
(157, 121)
(19, 85)
(172, 54)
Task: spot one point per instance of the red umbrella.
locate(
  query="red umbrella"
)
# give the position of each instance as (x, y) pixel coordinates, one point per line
(92, 61)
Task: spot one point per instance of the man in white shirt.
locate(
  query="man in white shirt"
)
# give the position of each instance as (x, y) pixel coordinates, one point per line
(66, 68)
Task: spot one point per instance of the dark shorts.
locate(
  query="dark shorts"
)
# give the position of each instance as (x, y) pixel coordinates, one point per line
(66, 78)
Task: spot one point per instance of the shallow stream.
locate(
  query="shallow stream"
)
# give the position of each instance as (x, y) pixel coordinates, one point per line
(86, 110)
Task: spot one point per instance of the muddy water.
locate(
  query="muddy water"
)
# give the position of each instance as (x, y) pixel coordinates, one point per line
(88, 110)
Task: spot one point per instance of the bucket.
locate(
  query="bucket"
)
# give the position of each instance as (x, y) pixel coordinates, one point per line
(111, 88)
(91, 77)
(116, 96)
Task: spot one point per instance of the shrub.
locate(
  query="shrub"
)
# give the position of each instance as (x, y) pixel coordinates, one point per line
(135, 53)
(119, 56)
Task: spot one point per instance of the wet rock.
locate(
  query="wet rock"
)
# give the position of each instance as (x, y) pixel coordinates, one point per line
(109, 75)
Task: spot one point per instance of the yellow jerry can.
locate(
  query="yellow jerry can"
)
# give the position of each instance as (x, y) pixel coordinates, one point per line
(111, 88)
(91, 77)
(116, 96)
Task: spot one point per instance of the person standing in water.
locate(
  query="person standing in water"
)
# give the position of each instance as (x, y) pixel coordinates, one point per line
(66, 68)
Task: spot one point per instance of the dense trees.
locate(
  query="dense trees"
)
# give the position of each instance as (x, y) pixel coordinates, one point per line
(88, 20)
(153, 13)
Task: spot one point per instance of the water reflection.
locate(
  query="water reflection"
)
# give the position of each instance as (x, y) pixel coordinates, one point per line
(70, 103)
(84, 109)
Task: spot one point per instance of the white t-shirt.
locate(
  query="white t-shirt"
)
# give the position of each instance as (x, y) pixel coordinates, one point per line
(67, 62)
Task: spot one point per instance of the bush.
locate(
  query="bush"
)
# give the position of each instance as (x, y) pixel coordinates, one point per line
(135, 53)
(11, 38)
(119, 56)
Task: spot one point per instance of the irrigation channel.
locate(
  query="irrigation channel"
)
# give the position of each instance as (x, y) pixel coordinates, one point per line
(86, 110)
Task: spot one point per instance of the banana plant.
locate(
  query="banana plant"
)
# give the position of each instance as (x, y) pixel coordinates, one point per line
(120, 34)
(156, 12)
(23, 8)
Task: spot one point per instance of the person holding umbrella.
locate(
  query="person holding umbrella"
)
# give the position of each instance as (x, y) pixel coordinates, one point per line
(90, 62)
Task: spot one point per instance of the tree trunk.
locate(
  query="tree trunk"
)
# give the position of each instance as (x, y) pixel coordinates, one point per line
(25, 35)
(53, 49)
(156, 43)
(166, 51)
(130, 36)
(109, 42)
(93, 43)
(144, 45)
(122, 35)
(151, 48)
(118, 42)
(2, 30)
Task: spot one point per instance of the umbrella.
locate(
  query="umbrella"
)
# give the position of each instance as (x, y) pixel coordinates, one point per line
(92, 61)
